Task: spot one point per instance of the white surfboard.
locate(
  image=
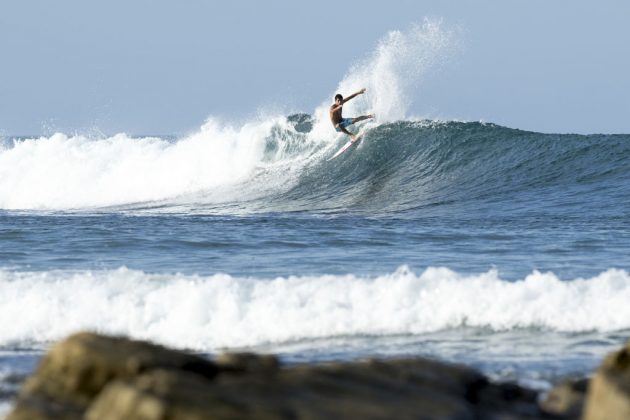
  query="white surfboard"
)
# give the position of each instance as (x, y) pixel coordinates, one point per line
(345, 147)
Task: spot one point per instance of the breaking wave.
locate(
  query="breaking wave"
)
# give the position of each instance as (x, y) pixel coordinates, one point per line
(281, 163)
(279, 166)
(207, 313)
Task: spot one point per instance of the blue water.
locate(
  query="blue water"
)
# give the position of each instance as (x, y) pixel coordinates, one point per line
(500, 248)
(467, 196)
(280, 244)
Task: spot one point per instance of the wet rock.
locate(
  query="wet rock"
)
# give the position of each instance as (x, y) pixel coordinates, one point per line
(505, 401)
(401, 389)
(247, 363)
(608, 396)
(76, 369)
(369, 390)
(103, 378)
(566, 400)
(163, 394)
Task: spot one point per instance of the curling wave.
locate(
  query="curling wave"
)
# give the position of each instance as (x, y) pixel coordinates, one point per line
(279, 165)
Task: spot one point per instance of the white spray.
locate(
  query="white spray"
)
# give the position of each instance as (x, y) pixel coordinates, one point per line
(393, 73)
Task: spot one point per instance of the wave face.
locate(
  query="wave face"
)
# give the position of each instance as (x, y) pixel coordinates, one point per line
(427, 165)
(220, 311)
(279, 165)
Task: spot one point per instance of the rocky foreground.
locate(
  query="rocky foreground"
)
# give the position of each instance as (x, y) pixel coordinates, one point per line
(90, 376)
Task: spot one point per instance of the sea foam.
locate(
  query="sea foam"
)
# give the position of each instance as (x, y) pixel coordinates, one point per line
(222, 311)
(67, 172)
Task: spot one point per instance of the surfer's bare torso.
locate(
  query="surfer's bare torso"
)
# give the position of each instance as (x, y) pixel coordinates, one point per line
(335, 113)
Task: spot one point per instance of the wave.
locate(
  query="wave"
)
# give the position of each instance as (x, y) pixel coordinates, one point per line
(77, 172)
(220, 163)
(279, 163)
(425, 164)
(221, 311)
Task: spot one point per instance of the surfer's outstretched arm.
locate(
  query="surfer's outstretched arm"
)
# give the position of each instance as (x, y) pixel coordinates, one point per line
(354, 95)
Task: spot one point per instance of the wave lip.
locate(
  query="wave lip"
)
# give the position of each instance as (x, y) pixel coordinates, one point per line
(221, 311)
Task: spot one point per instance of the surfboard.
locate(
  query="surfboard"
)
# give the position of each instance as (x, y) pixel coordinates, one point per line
(346, 147)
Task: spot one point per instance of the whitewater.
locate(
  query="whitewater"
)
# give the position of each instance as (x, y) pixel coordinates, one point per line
(221, 311)
(465, 241)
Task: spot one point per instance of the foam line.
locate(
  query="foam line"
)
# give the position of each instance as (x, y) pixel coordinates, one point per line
(219, 311)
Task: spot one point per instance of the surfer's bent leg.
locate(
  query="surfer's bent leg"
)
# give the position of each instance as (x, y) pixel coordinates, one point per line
(343, 130)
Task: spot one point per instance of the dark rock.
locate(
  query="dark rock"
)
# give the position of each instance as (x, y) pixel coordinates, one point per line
(359, 390)
(102, 378)
(505, 401)
(401, 389)
(566, 400)
(247, 363)
(76, 369)
(162, 394)
(41, 407)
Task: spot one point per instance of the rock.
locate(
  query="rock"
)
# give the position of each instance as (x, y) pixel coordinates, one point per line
(566, 400)
(76, 369)
(106, 378)
(505, 401)
(608, 396)
(247, 363)
(369, 390)
(401, 389)
(163, 394)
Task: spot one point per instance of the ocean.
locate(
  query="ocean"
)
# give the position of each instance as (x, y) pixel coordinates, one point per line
(503, 249)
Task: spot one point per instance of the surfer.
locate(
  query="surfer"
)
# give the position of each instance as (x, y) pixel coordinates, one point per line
(341, 123)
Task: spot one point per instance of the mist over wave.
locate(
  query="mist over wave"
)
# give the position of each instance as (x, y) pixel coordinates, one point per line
(217, 311)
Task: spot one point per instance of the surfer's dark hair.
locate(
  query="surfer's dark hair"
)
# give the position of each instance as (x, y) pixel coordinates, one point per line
(338, 96)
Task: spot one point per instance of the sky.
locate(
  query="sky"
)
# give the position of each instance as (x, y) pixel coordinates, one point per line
(163, 67)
